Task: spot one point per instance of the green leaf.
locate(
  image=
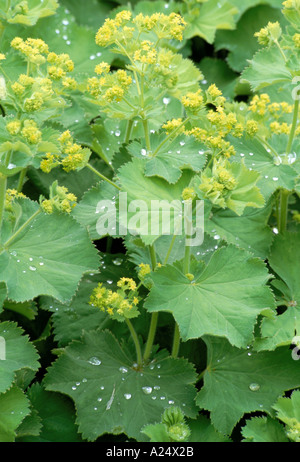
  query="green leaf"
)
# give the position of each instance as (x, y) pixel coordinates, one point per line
(252, 21)
(36, 11)
(273, 174)
(263, 430)
(57, 415)
(224, 299)
(212, 15)
(19, 354)
(157, 433)
(250, 231)
(48, 257)
(246, 4)
(14, 406)
(285, 262)
(288, 411)
(202, 431)
(266, 68)
(148, 189)
(242, 381)
(175, 155)
(111, 394)
(69, 320)
(3, 294)
(87, 212)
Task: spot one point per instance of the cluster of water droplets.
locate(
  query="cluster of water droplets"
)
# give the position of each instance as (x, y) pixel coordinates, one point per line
(33, 263)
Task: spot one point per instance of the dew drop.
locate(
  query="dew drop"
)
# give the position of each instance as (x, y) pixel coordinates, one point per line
(65, 22)
(143, 152)
(275, 178)
(109, 281)
(123, 369)
(118, 261)
(147, 390)
(166, 101)
(127, 395)
(95, 361)
(74, 388)
(254, 386)
(117, 132)
(171, 401)
(32, 268)
(292, 157)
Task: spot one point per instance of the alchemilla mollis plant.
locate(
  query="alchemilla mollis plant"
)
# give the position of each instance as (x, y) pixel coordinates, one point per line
(149, 221)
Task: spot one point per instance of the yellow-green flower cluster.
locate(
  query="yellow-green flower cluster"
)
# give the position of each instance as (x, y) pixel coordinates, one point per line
(193, 101)
(10, 196)
(30, 132)
(296, 40)
(120, 304)
(144, 270)
(109, 87)
(49, 162)
(146, 54)
(173, 126)
(216, 184)
(115, 29)
(33, 49)
(27, 129)
(188, 194)
(60, 200)
(214, 96)
(60, 65)
(164, 26)
(74, 156)
(269, 34)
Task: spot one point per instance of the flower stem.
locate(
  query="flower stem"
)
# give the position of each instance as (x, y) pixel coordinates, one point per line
(21, 179)
(147, 137)
(103, 177)
(128, 131)
(293, 129)
(154, 316)
(283, 210)
(176, 342)
(3, 184)
(170, 250)
(13, 237)
(136, 343)
(151, 336)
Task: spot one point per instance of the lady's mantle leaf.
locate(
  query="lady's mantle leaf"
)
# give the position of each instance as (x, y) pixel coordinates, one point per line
(241, 381)
(171, 158)
(266, 68)
(48, 257)
(274, 174)
(285, 261)
(111, 395)
(224, 299)
(18, 352)
(264, 430)
(14, 406)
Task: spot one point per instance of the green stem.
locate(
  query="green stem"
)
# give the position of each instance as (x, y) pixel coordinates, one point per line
(267, 145)
(283, 210)
(21, 179)
(3, 184)
(103, 177)
(136, 343)
(147, 136)
(176, 342)
(128, 131)
(293, 129)
(281, 50)
(153, 257)
(154, 316)
(186, 269)
(170, 250)
(151, 336)
(13, 237)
